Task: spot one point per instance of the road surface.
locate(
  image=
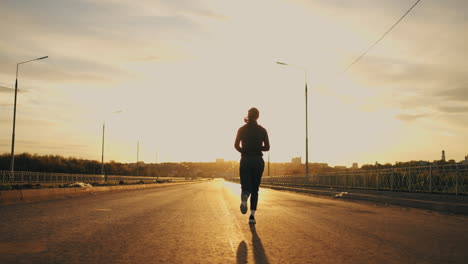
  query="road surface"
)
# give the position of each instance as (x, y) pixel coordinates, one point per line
(201, 223)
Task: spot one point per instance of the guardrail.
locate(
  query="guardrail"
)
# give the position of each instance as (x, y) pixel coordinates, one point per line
(8, 177)
(451, 179)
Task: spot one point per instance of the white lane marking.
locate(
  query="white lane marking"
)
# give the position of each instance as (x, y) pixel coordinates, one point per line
(232, 247)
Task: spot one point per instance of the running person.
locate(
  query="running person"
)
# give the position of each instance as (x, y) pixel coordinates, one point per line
(251, 140)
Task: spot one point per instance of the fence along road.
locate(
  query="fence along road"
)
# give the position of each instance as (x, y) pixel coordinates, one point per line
(8, 177)
(448, 179)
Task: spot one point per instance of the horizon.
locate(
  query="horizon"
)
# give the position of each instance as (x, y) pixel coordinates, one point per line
(179, 78)
(447, 159)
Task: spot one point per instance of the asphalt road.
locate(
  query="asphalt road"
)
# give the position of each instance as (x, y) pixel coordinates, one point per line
(201, 223)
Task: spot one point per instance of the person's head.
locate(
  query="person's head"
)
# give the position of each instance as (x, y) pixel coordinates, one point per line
(252, 115)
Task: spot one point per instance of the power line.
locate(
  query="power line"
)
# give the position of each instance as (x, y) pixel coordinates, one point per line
(383, 36)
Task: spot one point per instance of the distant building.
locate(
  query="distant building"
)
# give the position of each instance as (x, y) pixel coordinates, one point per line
(319, 165)
(443, 155)
(355, 166)
(296, 160)
(340, 167)
(219, 161)
(465, 161)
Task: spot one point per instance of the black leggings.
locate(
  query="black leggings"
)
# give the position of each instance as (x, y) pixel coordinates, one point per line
(251, 170)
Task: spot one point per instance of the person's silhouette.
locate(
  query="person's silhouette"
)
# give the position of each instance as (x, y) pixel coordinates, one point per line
(251, 140)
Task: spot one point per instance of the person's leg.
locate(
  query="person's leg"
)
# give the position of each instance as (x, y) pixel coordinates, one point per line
(257, 171)
(245, 184)
(244, 173)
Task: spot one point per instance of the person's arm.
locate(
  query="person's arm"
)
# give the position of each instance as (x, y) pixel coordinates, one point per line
(266, 142)
(237, 142)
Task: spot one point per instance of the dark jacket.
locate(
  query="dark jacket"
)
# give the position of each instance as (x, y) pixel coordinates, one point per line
(254, 139)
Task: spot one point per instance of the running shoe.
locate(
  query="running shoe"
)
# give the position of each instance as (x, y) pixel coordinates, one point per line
(243, 208)
(252, 219)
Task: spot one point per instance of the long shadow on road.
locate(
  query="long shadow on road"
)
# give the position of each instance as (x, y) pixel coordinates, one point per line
(258, 249)
(241, 255)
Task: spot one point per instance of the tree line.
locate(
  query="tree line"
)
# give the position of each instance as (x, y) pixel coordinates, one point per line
(60, 164)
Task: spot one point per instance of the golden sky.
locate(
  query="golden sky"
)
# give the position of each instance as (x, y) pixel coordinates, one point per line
(184, 74)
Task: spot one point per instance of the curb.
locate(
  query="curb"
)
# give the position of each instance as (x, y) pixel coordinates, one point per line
(436, 206)
(33, 195)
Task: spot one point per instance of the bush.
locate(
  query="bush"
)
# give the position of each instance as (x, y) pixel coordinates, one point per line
(5, 187)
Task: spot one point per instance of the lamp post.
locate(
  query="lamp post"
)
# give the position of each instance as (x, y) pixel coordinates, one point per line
(268, 164)
(138, 156)
(102, 151)
(102, 148)
(12, 167)
(306, 118)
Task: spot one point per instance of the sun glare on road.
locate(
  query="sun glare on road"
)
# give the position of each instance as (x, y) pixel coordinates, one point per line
(236, 189)
(233, 187)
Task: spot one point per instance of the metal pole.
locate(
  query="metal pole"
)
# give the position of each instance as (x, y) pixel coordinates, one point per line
(102, 152)
(409, 179)
(12, 165)
(307, 133)
(456, 180)
(378, 180)
(306, 117)
(268, 164)
(138, 154)
(391, 179)
(155, 166)
(430, 178)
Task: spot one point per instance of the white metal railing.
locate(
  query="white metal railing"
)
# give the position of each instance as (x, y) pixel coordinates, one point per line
(451, 179)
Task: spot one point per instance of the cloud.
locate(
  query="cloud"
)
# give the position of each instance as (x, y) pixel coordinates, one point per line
(206, 13)
(413, 87)
(148, 58)
(64, 69)
(5, 89)
(162, 8)
(90, 44)
(456, 94)
(454, 109)
(458, 119)
(31, 122)
(397, 73)
(49, 147)
(410, 117)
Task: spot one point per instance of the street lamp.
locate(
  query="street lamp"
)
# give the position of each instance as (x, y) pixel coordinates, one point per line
(138, 156)
(306, 118)
(12, 167)
(102, 151)
(268, 163)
